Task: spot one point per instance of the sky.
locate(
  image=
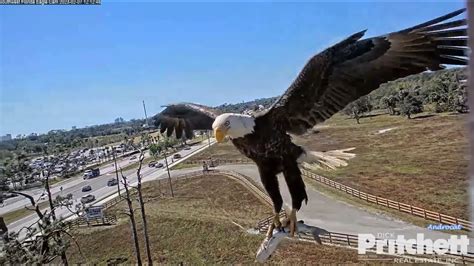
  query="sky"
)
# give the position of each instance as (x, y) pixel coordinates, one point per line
(64, 66)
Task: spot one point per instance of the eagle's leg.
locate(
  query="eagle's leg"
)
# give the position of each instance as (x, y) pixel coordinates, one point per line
(269, 179)
(297, 191)
(275, 224)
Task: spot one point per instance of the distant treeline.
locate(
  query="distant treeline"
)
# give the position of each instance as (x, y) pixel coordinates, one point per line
(58, 141)
(440, 91)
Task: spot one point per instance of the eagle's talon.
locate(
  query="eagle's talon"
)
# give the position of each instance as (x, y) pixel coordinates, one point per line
(275, 224)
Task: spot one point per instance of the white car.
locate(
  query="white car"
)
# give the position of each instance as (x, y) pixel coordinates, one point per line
(87, 198)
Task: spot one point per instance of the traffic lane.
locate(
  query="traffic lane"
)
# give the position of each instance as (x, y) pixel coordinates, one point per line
(36, 192)
(99, 184)
(15, 203)
(100, 189)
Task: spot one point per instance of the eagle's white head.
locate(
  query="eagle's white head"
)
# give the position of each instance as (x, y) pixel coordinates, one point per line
(232, 125)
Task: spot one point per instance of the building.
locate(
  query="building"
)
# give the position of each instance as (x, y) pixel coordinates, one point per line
(7, 137)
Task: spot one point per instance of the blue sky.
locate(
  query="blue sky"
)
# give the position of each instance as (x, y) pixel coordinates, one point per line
(64, 66)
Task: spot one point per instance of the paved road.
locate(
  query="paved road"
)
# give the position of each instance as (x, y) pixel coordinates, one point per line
(100, 188)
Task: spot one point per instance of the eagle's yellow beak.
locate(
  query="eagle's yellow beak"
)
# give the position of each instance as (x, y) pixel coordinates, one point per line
(219, 134)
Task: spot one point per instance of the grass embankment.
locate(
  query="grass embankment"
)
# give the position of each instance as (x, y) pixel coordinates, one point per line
(198, 226)
(222, 151)
(422, 161)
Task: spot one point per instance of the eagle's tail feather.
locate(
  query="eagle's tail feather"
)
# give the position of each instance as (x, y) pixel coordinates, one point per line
(328, 160)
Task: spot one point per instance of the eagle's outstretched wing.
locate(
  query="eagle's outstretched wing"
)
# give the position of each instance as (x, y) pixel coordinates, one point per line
(354, 67)
(184, 117)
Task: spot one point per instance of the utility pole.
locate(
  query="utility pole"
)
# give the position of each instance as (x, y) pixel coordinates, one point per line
(116, 171)
(146, 117)
(169, 176)
(208, 138)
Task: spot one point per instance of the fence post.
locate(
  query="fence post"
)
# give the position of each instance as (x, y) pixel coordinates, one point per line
(424, 213)
(330, 238)
(439, 216)
(348, 241)
(398, 205)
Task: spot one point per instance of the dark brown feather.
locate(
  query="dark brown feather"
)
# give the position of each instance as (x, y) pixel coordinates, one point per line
(184, 118)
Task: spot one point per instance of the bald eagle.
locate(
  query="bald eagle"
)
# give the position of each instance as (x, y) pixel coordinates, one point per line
(328, 82)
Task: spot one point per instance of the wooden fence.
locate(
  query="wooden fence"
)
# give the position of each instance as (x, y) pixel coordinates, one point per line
(83, 221)
(402, 207)
(381, 201)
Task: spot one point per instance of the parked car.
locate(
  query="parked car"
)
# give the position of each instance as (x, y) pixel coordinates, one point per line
(133, 157)
(86, 188)
(159, 165)
(152, 163)
(177, 156)
(112, 182)
(187, 148)
(87, 198)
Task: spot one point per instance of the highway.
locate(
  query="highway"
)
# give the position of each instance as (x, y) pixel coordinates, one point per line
(19, 202)
(99, 185)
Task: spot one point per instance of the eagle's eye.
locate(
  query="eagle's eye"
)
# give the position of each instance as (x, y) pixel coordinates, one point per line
(227, 124)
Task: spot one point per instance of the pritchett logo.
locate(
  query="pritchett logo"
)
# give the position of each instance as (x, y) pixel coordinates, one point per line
(456, 244)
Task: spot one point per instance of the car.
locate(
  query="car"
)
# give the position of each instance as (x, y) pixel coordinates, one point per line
(187, 148)
(112, 182)
(90, 173)
(86, 188)
(133, 157)
(159, 165)
(87, 198)
(177, 156)
(152, 163)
